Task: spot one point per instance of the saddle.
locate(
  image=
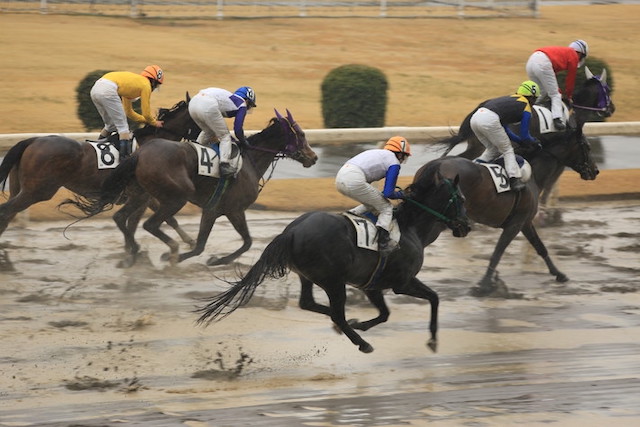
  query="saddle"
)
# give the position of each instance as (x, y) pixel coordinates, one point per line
(366, 232)
(499, 174)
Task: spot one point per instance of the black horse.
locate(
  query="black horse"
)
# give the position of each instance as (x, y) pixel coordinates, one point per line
(591, 99)
(321, 248)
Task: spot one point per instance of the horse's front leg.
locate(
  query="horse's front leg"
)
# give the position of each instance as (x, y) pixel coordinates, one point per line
(377, 299)
(239, 221)
(416, 288)
(531, 234)
(207, 220)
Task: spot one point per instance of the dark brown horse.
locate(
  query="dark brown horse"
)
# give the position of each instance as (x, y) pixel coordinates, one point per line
(37, 167)
(591, 99)
(168, 172)
(514, 211)
(321, 248)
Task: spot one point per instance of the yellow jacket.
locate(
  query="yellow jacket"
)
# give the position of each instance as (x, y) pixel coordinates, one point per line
(130, 87)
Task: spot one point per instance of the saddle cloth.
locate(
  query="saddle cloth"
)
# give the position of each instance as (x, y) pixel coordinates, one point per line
(366, 232)
(209, 159)
(545, 119)
(499, 174)
(107, 155)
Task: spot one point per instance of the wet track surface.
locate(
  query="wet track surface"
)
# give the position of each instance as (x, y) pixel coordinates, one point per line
(98, 346)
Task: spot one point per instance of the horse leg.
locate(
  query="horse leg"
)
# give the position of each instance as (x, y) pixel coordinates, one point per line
(239, 222)
(337, 299)
(489, 284)
(377, 299)
(416, 288)
(171, 222)
(531, 234)
(206, 225)
(307, 302)
(153, 223)
(127, 219)
(21, 202)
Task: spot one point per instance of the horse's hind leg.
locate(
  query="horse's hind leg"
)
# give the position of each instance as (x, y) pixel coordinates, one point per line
(531, 234)
(377, 299)
(127, 219)
(239, 221)
(416, 288)
(152, 225)
(171, 222)
(488, 285)
(337, 299)
(307, 301)
(15, 205)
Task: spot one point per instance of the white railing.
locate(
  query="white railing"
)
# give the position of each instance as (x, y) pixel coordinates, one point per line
(220, 9)
(418, 135)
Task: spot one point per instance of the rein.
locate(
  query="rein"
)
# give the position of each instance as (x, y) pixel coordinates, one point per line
(604, 100)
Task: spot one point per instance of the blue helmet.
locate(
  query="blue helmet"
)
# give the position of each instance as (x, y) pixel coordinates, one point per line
(248, 94)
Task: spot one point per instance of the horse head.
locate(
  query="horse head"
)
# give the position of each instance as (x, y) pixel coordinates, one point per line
(443, 194)
(594, 95)
(296, 145)
(574, 151)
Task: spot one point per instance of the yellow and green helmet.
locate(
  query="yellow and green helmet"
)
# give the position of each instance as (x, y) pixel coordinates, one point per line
(528, 88)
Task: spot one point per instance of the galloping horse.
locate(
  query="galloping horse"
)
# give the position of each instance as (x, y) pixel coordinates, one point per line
(37, 167)
(168, 172)
(515, 211)
(591, 98)
(321, 248)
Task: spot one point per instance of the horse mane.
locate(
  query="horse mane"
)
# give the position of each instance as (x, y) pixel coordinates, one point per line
(267, 133)
(169, 113)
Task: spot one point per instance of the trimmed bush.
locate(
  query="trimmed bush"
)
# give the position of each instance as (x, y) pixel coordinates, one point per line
(354, 96)
(87, 112)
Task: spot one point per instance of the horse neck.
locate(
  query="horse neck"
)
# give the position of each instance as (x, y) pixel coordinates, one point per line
(546, 169)
(424, 225)
(261, 160)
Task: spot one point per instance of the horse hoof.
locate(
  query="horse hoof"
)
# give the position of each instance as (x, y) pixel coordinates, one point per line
(127, 262)
(213, 261)
(165, 256)
(480, 291)
(562, 278)
(433, 345)
(366, 348)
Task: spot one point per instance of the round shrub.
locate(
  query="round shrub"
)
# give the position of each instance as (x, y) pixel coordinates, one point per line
(354, 96)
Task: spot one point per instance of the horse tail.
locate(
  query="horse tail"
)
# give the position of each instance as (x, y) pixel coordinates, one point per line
(273, 263)
(464, 132)
(12, 158)
(111, 191)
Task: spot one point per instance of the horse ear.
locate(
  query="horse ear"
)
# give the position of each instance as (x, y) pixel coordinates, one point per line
(587, 73)
(188, 97)
(290, 116)
(278, 115)
(603, 76)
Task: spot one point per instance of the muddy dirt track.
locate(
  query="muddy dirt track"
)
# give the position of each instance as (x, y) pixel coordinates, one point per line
(85, 343)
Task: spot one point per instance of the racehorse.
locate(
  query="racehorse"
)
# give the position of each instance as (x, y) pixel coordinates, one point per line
(37, 167)
(168, 172)
(591, 98)
(321, 248)
(515, 211)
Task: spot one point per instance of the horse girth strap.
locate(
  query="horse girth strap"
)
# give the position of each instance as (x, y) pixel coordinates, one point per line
(223, 183)
(509, 217)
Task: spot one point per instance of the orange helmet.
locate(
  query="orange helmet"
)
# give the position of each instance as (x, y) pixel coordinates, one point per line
(398, 144)
(153, 72)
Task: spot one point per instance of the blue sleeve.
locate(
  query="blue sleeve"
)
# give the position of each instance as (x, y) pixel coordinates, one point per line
(524, 126)
(238, 124)
(390, 183)
(512, 136)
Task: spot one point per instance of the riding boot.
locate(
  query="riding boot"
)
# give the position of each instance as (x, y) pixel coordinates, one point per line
(124, 148)
(516, 184)
(558, 123)
(385, 245)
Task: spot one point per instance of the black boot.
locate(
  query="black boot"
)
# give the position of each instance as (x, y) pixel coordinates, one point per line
(226, 170)
(516, 184)
(559, 124)
(124, 148)
(384, 242)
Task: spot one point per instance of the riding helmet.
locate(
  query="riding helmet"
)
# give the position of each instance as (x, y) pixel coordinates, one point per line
(398, 144)
(248, 94)
(580, 46)
(153, 72)
(528, 88)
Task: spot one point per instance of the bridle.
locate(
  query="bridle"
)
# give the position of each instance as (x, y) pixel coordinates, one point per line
(603, 106)
(294, 137)
(455, 198)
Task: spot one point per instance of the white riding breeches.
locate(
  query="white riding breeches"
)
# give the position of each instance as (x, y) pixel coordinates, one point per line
(104, 95)
(487, 127)
(205, 111)
(540, 70)
(351, 182)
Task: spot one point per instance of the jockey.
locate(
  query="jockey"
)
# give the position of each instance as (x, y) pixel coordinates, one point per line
(355, 177)
(209, 108)
(113, 95)
(546, 62)
(490, 124)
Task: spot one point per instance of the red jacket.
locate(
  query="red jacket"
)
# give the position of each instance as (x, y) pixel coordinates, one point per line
(564, 59)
